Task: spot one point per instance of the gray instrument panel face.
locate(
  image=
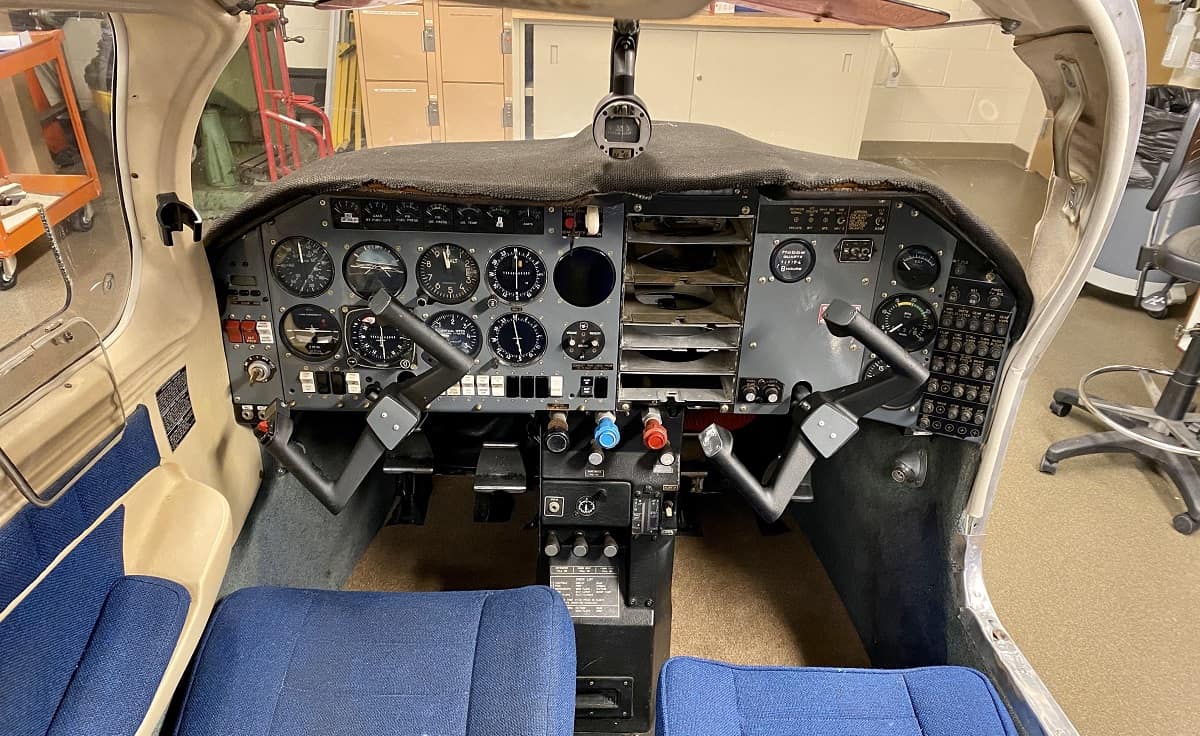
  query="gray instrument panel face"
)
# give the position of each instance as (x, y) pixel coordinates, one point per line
(248, 257)
(785, 339)
(855, 246)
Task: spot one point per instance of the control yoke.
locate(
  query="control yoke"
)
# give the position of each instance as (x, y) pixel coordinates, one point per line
(824, 422)
(391, 417)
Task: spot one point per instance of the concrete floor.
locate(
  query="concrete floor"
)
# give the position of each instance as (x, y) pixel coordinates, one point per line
(1083, 567)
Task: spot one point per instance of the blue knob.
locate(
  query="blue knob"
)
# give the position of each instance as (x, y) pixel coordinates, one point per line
(607, 435)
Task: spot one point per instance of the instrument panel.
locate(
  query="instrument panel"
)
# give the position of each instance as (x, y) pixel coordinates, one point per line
(707, 298)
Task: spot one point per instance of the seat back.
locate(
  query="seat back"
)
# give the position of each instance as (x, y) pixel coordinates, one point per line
(83, 645)
(1181, 177)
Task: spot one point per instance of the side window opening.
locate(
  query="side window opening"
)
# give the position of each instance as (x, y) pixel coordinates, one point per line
(57, 160)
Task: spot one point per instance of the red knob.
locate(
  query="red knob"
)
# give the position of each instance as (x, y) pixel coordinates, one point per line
(654, 435)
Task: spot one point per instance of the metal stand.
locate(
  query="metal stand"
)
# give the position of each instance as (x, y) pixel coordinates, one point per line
(1168, 435)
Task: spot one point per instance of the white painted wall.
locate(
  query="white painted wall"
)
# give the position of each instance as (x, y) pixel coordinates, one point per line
(955, 85)
(314, 26)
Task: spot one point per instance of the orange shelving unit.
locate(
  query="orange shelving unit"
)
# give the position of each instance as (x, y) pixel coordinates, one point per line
(61, 195)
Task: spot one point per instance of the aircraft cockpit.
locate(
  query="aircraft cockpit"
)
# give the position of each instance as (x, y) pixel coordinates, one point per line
(645, 427)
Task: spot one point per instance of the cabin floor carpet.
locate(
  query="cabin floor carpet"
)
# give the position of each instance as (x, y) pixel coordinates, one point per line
(739, 595)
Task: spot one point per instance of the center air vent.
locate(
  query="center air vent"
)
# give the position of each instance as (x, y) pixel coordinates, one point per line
(684, 302)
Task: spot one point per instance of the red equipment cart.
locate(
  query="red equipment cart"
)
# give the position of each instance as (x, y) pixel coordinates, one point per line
(58, 195)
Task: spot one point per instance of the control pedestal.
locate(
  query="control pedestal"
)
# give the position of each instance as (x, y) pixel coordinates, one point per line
(607, 517)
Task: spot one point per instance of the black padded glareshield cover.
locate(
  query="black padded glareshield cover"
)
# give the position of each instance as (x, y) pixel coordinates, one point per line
(683, 157)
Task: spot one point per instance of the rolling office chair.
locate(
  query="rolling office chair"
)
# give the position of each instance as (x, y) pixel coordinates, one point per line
(1167, 435)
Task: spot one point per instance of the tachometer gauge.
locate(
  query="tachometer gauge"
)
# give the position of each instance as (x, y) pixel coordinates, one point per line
(917, 267)
(909, 320)
(459, 330)
(373, 266)
(377, 343)
(448, 273)
(302, 266)
(517, 338)
(311, 332)
(516, 274)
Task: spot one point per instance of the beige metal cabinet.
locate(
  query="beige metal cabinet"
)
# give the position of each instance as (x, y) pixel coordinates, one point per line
(393, 43)
(807, 90)
(398, 113)
(471, 43)
(473, 112)
(570, 65)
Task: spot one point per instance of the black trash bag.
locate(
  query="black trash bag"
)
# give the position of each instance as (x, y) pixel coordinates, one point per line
(1166, 111)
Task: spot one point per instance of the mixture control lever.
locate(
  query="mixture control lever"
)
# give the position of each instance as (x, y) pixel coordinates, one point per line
(394, 413)
(823, 422)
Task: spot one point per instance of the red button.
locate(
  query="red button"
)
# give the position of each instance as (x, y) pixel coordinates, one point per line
(249, 331)
(233, 330)
(654, 435)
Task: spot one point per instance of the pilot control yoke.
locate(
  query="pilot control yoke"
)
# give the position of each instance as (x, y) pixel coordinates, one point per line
(823, 422)
(393, 414)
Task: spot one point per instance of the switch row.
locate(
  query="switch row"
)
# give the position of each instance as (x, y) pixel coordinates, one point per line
(248, 331)
(971, 345)
(976, 321)
(330, 383)
(964, 391)
(509, 387)
(965, 367)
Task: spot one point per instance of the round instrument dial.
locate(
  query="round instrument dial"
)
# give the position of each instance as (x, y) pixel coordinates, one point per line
(909, 320)
(876, 368)
(448, 273)
(516, 274)
(917, 267)
(347, 212)
(311, 332)
(377, 343)
(372, 266)
(517, 338)
(879, 367)
(378, 214)
(583, 341)
(302, 266)
(459, 330)
(793, 261)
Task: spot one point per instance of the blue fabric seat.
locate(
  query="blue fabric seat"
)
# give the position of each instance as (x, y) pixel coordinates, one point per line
(289, 662)
(702, 698)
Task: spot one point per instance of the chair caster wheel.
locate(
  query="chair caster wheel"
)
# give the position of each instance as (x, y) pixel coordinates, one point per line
(1059, 410)
(1047, 467)
(1157, 313)
(1185, 524)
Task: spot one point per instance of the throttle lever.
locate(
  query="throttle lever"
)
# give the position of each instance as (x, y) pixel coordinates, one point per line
(825, 421)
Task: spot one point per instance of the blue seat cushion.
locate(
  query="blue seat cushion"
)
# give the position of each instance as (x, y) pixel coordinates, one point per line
(287, 662)
(702, 698)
